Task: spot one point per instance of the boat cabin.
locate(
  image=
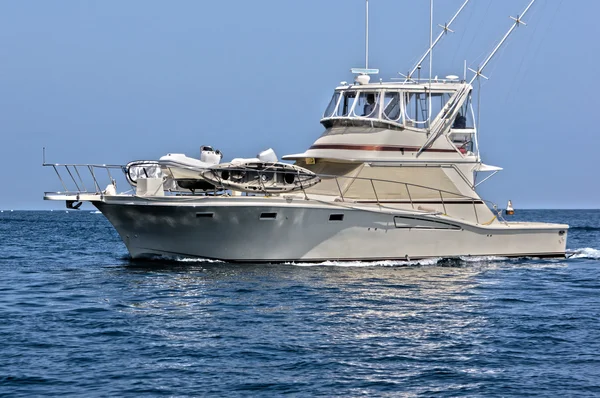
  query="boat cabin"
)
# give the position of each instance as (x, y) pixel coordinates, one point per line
(398, 106)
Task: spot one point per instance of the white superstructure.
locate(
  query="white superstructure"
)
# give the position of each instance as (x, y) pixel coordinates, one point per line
(397, 168)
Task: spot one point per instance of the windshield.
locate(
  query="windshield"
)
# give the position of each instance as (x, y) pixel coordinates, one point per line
(409, 108)
(367, 105)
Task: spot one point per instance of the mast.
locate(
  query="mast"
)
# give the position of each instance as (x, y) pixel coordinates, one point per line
(518, 22)
(367, 35)
(363, 73)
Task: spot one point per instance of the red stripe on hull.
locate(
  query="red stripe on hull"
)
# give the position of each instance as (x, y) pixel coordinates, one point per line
(378, 148)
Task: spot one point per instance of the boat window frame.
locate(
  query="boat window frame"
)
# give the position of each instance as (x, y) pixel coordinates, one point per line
(339, 103)
(333, 113)
(403, 121)
(400, 119)
(376, 113)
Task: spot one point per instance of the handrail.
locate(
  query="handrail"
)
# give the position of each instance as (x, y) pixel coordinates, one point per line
(400, 183)
(112, 166)
(98, 190)
(91, 169)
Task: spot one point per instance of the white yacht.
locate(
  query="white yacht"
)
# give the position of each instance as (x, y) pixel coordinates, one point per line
(398, 165)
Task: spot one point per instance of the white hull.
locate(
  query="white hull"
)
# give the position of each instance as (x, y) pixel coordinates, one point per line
(302, 231)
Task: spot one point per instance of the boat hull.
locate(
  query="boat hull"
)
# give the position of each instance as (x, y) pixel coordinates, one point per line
(305, 231)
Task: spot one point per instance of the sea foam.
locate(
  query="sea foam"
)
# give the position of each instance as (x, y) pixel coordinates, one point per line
(586, 252)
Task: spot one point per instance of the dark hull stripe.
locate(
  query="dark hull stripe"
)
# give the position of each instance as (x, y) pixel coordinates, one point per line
(371, 259)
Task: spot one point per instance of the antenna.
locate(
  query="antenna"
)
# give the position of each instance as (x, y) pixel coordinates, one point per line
(363, 73)
(367, 35)
(518, 22)
(445, 30)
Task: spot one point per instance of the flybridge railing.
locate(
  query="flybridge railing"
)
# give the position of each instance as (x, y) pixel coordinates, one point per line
(451, 197)
(96, 175)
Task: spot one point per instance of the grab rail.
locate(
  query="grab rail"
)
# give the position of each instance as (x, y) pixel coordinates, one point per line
(74, 170)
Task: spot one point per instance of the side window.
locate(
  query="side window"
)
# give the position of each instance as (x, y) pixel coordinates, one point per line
(330, 111)
(391, 107)
(418, 110)
(346, 103)
(367, 105)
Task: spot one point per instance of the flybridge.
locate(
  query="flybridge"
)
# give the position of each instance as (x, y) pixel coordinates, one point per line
(433, 106)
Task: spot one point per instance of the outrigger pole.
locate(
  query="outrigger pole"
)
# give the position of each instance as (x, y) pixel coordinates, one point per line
(518, 22)
(430, 63)
(445, 29)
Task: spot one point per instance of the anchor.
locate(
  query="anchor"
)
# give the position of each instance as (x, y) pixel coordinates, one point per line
(73, 204)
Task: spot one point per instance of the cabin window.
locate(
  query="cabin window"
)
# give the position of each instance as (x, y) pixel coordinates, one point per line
(204, 215)
(331, 108)
(367, 105)
(346, 103)
(463, 118)
(268, 216)
(418, 107)
(416, 223)
(392, 106)
(336, 217)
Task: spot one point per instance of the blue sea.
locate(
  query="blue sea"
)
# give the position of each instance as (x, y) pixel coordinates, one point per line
(78, 318)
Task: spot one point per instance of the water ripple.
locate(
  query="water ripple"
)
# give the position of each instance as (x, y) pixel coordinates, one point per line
(81, 319)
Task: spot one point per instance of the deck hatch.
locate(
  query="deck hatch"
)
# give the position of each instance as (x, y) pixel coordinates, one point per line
(336, 217)
(268, 216)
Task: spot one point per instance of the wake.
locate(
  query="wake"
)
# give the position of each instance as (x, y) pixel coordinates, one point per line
(586, 253)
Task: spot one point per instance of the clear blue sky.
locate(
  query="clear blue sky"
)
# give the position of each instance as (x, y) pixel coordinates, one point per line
(113, 81)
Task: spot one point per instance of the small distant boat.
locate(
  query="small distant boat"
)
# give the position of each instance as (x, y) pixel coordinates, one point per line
(257, 176)
(509, 209)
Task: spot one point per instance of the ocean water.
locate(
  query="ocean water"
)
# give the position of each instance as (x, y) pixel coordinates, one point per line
(77, 318)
